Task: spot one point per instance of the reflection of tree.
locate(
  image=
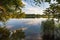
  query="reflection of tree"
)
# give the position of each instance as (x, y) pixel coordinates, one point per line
(5, 34)
(18, 35)
(51, 31)
(48, 30)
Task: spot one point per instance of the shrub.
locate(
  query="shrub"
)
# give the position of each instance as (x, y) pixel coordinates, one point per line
(48, 30)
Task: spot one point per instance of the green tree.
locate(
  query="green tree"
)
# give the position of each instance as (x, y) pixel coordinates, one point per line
(22, 15)
(38, 2)
(53, 10)
(48, 30)
(7, 6)
(18, 35)
(47, 12)
(4, 34)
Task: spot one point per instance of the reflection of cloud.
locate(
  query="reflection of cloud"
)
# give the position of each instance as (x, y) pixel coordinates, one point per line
(9, 26)
(33, 22)
(24, 29)
(1, 24)
(34, 10)
(34, 37)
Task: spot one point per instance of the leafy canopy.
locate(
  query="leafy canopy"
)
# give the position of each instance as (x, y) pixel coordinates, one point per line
(8, 3)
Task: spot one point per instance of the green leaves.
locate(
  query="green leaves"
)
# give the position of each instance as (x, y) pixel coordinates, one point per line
(48, 29)
(19, 34)
(8, 3)
(5, 34)
(53, 10)
(10, 6)
(47, 0)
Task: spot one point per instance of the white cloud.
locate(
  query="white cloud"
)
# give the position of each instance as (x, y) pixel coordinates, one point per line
(32, 22)
(9, 26)
(31, 9)
(34, 10)
(24, 29)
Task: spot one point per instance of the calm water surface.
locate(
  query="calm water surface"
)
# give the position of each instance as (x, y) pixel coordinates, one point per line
(31, 27)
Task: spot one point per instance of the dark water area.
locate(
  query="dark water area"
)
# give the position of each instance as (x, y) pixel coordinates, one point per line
(31, 27)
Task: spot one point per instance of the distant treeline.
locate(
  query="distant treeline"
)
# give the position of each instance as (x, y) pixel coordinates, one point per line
(36, 16)
(6, 16)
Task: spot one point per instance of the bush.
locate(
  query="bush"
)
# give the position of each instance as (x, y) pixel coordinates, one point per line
(57, 32)
(5, 34)
(48, 30)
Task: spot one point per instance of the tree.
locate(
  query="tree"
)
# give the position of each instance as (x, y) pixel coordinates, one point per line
(11, 3)
(9, 6)
(47, 12)
(18, 35)
(4, 33)
(48, 30)
(38, 2)
(22, 15)
(53, 10)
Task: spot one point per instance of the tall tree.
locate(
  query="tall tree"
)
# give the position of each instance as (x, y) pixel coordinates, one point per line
(10, 3)
(53, 10)
(9, 6)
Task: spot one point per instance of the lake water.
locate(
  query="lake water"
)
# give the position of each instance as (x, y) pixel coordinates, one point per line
(31, 27)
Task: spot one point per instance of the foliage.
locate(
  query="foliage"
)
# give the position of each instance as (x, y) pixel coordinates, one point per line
(57, 32)
(10, 3)
(53, 10)
(18, 35)
(51, 31)
(48, 30)
(38, 2)
(5, 34)
(9, 6)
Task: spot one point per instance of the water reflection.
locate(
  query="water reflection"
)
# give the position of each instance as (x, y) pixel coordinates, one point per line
(31, 27)
(1, 24)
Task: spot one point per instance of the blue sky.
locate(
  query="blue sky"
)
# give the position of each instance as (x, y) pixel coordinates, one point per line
(29, 9)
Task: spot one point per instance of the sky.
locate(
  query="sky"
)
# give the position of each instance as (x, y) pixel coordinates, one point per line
(29, 9)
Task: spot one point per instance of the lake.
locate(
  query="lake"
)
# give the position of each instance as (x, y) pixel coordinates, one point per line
(31, 27)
